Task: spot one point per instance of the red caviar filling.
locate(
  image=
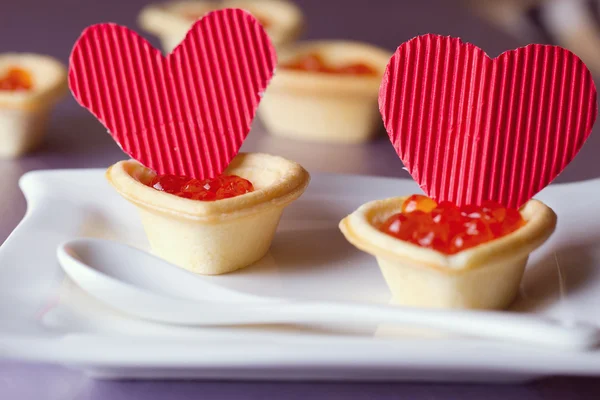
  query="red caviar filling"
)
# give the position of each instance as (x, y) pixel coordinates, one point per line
(447, 228)
(314, 63)
(16, 79)
(218, 188)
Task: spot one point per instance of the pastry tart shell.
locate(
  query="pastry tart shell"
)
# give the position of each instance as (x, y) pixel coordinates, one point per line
(325, 107)
(168, 22)
(214, 237)
(24, 114)
(483, 277)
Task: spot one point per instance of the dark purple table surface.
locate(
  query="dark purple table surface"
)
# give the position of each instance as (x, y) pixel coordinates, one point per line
(77, 140)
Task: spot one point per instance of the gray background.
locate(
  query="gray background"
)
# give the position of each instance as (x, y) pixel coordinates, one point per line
(76, 140)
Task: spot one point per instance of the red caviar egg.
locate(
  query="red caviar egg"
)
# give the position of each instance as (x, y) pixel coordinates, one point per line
(399, 226)
(493, 211)
(474, 232)
(218, 188)
(418, 202)
(512, 222)
(447, 228)
(428, 233)
(447, 213)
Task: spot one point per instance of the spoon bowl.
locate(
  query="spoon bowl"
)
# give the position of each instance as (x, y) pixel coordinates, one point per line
(112, 262)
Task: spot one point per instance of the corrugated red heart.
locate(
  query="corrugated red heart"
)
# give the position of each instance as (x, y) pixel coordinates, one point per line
(187, 113)
(469, 128)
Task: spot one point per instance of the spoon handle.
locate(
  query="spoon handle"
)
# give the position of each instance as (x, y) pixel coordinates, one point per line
(143, 300)
(491, 325)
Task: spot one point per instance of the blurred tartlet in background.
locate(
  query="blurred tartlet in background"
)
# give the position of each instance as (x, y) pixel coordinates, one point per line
(170, 21)
(30, 86)
(326, 91)
(572, 24)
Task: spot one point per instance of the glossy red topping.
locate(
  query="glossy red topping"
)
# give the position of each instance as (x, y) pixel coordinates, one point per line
(16, 79)
(447, 228)
(314, 63)
(221, 187)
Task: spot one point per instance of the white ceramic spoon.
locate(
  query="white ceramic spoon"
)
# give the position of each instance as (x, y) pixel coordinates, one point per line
(148, 287)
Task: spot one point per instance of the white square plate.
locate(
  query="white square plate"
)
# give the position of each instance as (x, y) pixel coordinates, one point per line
(45, 317)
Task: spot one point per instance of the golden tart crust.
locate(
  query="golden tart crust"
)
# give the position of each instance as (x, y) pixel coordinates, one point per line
(169, 22)
(485, 276)
(49, 81)
(325, 106)
(220, 236)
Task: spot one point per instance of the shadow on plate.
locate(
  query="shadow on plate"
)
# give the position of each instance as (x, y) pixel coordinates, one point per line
(305, 250)
(555, 276)
(312, 214)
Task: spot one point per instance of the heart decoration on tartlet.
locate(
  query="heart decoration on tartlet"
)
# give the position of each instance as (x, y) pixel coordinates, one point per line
(187, 113)
(186, 116)
(470, 128)
(473, 131)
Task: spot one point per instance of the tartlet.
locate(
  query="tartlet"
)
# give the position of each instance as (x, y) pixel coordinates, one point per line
(24, 113)
(214, 237)
(322, 106)
(170, 21)
(483, 277)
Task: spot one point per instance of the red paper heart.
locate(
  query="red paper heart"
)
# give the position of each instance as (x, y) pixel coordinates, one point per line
(469, 128)
(187, 113)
